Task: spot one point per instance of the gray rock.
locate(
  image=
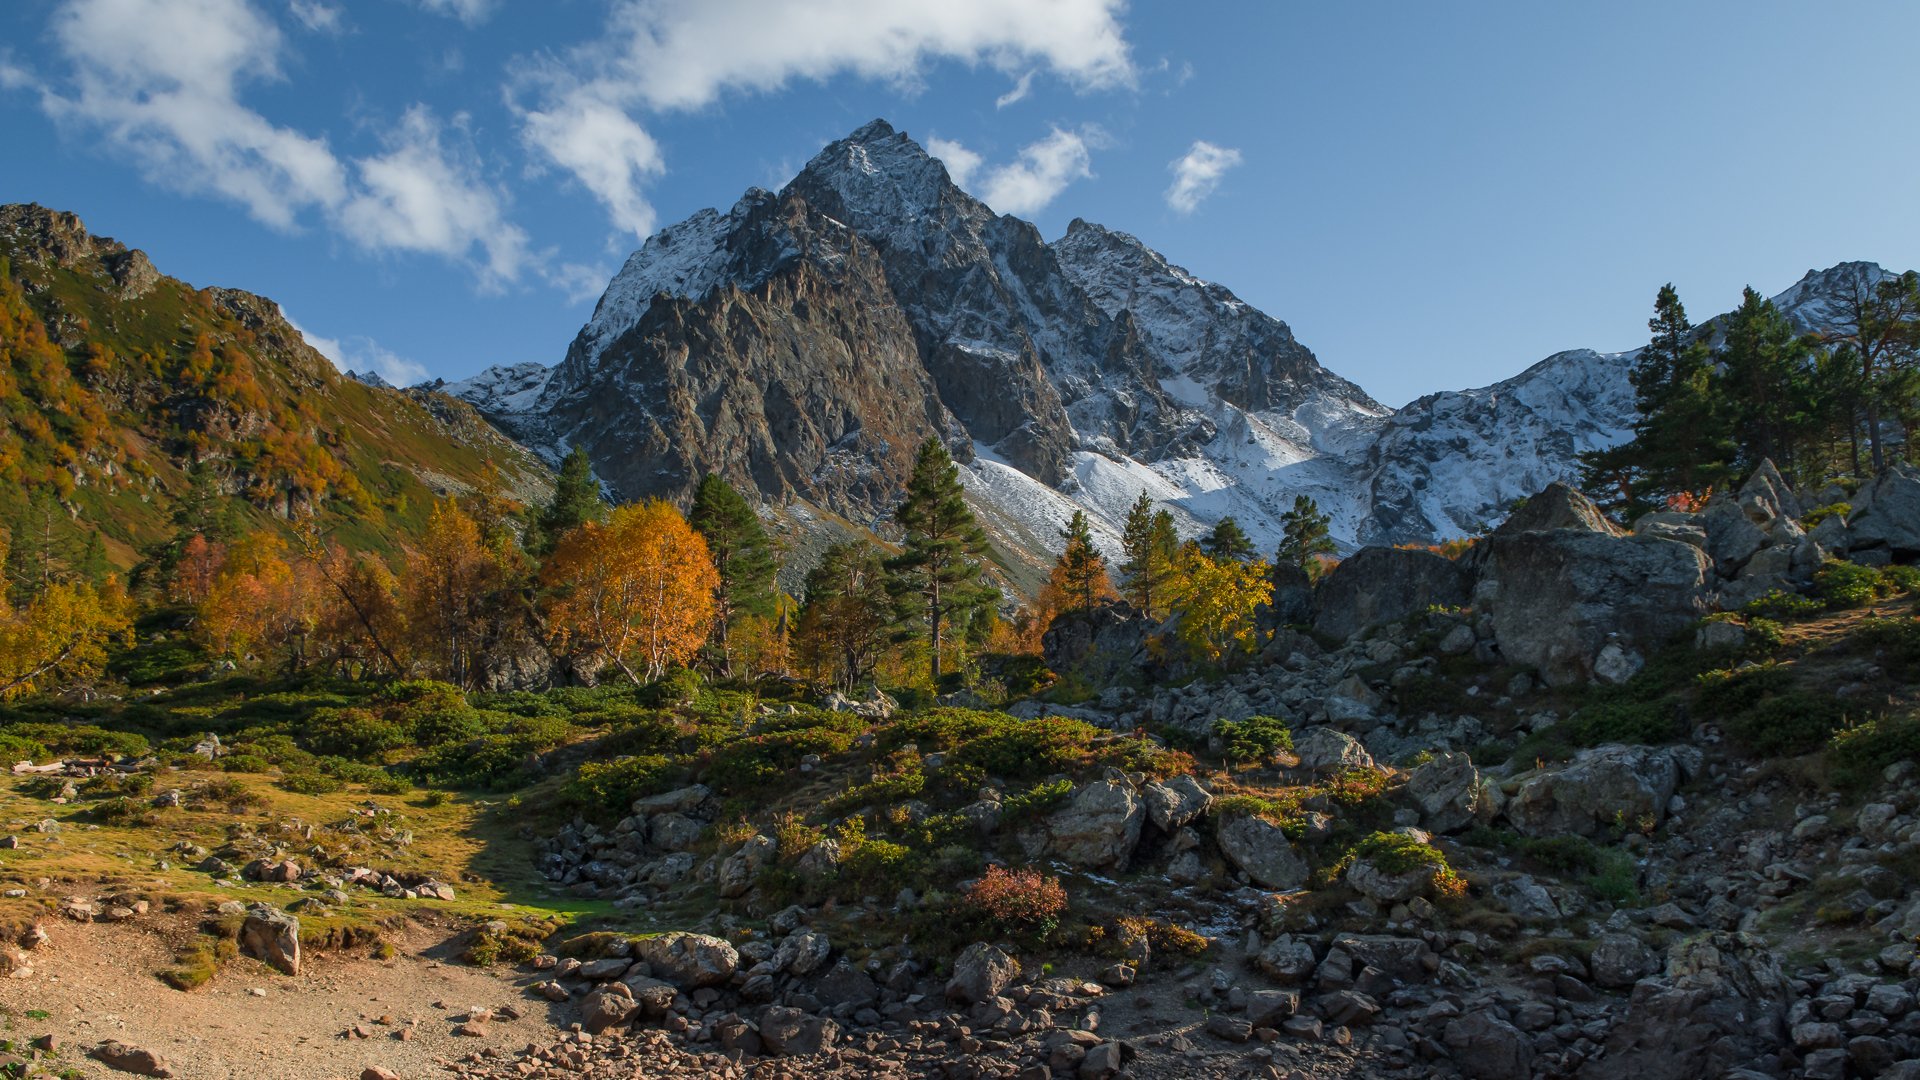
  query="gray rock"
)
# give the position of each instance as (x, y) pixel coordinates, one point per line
(272, 936)
(1261, 851)
(1558, 507)
(673, 831)
(687, 800)
(1326, 750)
(1557, 599)
(688, 960)
(1887, 512)
(1172, 804)
(1271, 1008)
(790, 1031)
(1379, 585)
(1620, 960)
(131, 1059)
(1099, 826)
(1367, 878)
(980, 973)
(743, 867)
(1289, 960)
(1449, 792)
(1597, 789)
(607, 1007)
(1486, 1047)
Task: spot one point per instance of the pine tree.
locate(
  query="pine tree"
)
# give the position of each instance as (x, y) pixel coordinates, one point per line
(1136, 541)
(843, 624)
(1880, 332)
(576, 498)
(1082, 569)
(936, 580)
(1680, 444)
(1304, 540)
(1764, 384)
(743, 556)
(1228, 541)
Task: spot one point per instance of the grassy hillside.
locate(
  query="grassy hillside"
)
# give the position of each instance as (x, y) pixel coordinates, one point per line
(136, 400)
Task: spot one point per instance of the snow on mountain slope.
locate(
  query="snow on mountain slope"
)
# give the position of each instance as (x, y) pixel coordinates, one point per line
(1077, 373)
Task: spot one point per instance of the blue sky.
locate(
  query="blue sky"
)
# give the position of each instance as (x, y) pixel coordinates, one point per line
(1433, 196)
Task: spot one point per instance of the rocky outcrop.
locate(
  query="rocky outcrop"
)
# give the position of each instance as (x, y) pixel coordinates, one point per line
(1259, 849)
(979, 974)
(272, 936)
(1578, 605)
(1450, 793)
(1599, 790)
(1886, 514)
(1558, 507)
(1379, 585)
(689, 961)
(1099, 826)
(1719, 1005)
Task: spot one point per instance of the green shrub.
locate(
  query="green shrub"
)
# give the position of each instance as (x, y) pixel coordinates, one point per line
(1896, 579)
(889, 788)
(81, 740)
(1256, 739)
(1726, 693)
(1846, 585)
(245, 763)
(1784, 605)
(17, 748)
(441, 726)
(608, 788)
(1859, 753)
(131, 813)
(746, 766)
(1793, 722)
(873, 866)
(679, 686)
(354, 733)
(1821, 513)
(311, 783)
(1398, 853)
(1898, 639)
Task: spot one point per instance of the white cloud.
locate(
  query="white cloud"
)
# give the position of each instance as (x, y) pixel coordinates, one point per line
(317, 15)
(363, 354)
(160, 82)
(471, 12)
(659, 55)
(419, 196)
(1043, 170)
(1197, 173)
(1019, 92)
(579, 281)
(961, 162)
(610, 154)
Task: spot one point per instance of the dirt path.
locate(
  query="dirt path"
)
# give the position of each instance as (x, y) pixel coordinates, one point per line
(95, 982)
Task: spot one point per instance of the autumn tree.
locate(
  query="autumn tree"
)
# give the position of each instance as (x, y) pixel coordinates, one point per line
(196, 570)
(636, 592)
(260, 608)
(452, 591)
(61, 636)
(743, 557)
(1219, 602)
(1081, 570)
(935, 580)
(843, 623)
(362, 624)
(1304, 541)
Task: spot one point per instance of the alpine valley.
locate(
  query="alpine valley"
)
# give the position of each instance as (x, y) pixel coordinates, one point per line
(803, 343)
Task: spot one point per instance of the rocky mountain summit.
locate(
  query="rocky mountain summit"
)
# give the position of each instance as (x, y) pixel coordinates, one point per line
(803, 342)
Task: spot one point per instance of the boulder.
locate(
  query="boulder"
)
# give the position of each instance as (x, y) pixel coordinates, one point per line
(607, 1007)
(845, 985)
(1620, 960)
(1329, 750)
(1379, 585)
(272, 936)
(1886, 513)
(742, 868)
(1598, 788)
(688, 960)
(1271, 1008)
(1288, 960)
(1558, 507)
(1292, 600)
(1449, 792)
(1369, 879)
(1100, 643)
(1742, 523)
(1173, 804)
(673, 831)
(785, 1030)
(1720, 1004)
(1486, 1047)
(980, 973)
(1408, 959)
(1672, 525)
(1557, 599)
(1261, 851)
(686, 800)
(131, 1059)
(1099, 826)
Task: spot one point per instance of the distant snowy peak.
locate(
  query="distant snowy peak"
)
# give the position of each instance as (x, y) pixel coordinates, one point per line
(502, 390)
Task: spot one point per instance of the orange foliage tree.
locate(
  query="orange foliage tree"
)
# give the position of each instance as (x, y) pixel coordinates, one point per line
(635, 591)
(454, 581)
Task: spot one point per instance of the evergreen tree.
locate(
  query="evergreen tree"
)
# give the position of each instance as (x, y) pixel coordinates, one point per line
(1151, 546)
(1679, 445)
(843, 624)
(935, 581)
(1880, 332)
(1082, 569)
(1764, 385)
(1228, 541)
(743, 556)
(1304, 538)
(576, 498)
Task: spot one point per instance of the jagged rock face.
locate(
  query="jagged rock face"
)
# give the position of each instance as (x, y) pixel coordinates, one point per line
(1088, 369)
(808, 382)
(1381, 584)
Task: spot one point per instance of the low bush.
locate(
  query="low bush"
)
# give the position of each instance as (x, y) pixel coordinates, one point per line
(311, 783)
(1025, 905)
(1398, 853)
(1784, 605)
(605, 789)
(1255, 740)
(1859, 753)
(355, 733)
(1846, 585)
(1793, 722)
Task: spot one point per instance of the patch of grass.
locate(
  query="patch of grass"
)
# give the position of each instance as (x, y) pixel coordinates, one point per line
(201, 961)
(1859, 753)
(1255, 740)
